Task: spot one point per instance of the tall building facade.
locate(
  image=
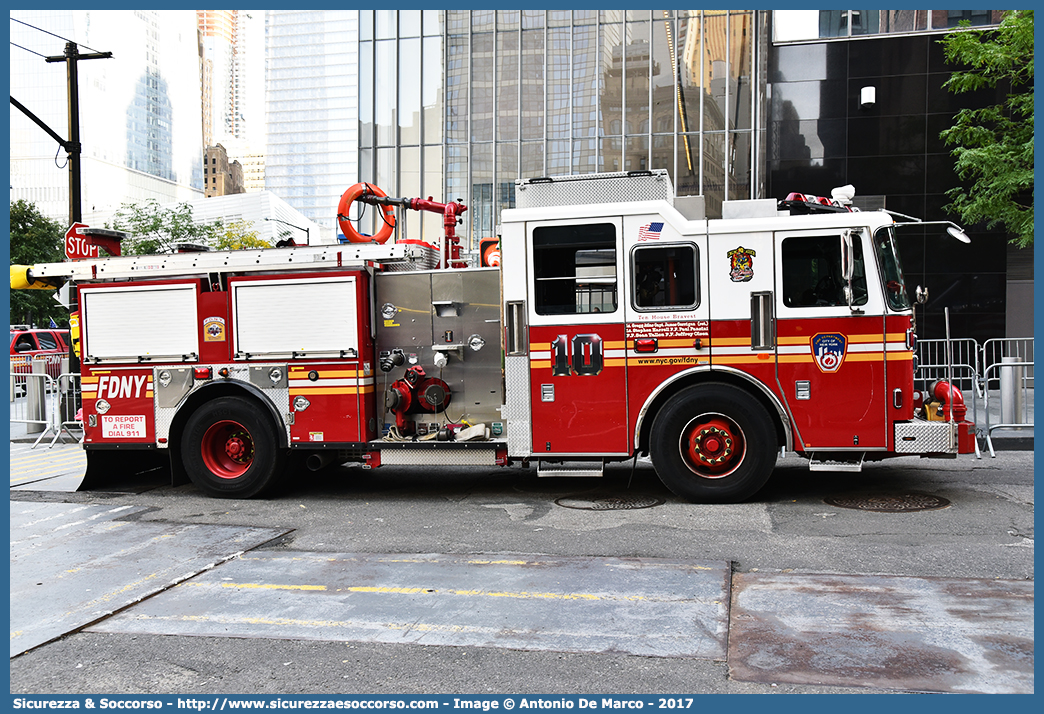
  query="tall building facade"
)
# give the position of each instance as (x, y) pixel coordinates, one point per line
(822, 66)
(221, 176)
(734, 104)
(233, 51)
(219, 32)
(311, 85)
(462, 103)
(140, 125)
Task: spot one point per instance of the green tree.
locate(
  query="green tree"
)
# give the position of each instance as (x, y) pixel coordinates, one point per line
(238, 235)
(35, 238)
(994, 144)
(155, 229)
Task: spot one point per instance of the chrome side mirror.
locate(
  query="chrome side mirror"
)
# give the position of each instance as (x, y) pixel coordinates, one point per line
(921, 295)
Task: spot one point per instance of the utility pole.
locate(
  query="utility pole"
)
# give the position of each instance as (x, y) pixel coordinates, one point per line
(71, 57)
(71, 400)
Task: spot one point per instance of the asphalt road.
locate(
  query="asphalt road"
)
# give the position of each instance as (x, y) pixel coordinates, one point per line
(985, 533)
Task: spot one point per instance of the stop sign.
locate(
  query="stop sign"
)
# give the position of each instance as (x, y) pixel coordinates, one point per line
(76, 245)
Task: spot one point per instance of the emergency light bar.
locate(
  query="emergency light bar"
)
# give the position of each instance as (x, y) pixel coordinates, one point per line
(807, 203)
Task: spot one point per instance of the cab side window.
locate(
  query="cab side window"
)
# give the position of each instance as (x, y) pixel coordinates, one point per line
(812, 275)
(665, 277)
(575, 269)
(47, 341)
(25, 342)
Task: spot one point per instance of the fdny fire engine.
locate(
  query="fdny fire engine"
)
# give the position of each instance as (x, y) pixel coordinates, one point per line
(617, 321)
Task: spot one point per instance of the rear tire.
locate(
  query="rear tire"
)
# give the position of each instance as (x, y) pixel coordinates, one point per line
(713, 443)
(231, 449)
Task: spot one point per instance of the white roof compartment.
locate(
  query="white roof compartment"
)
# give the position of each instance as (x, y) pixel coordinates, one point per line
(754, 208)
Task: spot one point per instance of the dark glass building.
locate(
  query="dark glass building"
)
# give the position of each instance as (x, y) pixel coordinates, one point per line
(822, 132)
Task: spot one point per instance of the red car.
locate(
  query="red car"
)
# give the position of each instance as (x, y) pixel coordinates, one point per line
(27, 344)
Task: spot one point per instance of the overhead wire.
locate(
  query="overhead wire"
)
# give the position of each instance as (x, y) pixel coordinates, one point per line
(29, 50)
(48, 32)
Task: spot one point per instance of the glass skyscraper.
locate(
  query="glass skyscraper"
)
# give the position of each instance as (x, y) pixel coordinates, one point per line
(462, 103)
(311, 86)
(140, 124)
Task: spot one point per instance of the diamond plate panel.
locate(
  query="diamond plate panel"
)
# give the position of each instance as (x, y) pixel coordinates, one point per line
(926, 437)
(422, 257)
(165, 415)
(427, 457)
(594, 188)
(516, 408)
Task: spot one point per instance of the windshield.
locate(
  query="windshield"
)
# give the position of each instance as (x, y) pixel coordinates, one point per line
(891, 269)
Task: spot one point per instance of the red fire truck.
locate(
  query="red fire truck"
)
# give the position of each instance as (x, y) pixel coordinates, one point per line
(619, 322)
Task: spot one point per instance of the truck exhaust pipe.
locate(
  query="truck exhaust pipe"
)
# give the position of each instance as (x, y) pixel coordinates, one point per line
(320, 460)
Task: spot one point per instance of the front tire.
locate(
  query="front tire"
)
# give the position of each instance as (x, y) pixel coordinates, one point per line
(231, 449)
(713, 443)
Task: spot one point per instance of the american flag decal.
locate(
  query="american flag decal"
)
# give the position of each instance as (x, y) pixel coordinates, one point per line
(650, 231)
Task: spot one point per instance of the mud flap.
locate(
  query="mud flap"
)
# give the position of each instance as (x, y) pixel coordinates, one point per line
(126, 470)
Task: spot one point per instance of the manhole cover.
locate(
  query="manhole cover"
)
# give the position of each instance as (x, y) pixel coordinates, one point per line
(889, 502)
(609, 503)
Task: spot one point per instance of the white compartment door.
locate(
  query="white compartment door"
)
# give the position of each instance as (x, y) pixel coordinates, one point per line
(295, 318)
(140, 321)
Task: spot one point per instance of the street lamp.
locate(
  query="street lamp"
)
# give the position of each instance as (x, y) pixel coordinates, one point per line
(308, 237)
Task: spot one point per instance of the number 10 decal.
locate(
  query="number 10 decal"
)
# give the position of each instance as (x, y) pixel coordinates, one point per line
(586, 356)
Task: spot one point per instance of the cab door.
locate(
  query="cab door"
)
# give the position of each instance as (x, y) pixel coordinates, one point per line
(576, 338)
(830, 354)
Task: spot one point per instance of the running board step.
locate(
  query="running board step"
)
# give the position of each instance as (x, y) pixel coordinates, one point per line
(570, 468)
(826, 464)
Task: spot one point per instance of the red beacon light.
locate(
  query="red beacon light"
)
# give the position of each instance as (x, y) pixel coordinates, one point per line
(840, 199)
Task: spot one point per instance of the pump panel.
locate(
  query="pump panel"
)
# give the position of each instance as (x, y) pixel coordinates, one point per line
(448, 324)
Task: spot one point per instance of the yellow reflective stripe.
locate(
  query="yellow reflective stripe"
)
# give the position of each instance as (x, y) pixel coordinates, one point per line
(296, 391)
(790, 359)
(864, 357)
(323, 373)
(743, 359)
(546, 363)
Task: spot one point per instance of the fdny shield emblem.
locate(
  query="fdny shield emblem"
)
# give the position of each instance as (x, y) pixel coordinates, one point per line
(742, 264)
(828, 350)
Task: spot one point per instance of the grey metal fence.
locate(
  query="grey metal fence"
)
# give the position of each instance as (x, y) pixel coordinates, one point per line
(44, 405)
(960, 364)
(996, 379)
(1007, 379)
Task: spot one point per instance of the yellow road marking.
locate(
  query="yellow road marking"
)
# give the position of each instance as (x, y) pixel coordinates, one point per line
(522, 595)
(259, 586)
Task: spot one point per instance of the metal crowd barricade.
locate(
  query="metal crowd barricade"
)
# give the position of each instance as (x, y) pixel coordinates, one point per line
(932, 363)
(30, 394)
(1008, 383)
(46, 405)
(961, 365)
(67, 407)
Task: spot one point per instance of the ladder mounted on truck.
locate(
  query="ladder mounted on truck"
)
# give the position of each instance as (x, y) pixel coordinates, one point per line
(410, 256)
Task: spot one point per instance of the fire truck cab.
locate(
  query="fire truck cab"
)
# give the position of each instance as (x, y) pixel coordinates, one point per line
(619, 322)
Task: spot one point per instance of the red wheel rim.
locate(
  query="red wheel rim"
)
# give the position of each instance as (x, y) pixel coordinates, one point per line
(227, 449)
(712, 446)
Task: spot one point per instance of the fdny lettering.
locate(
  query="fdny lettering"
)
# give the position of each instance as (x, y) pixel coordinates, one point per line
(122, 387)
